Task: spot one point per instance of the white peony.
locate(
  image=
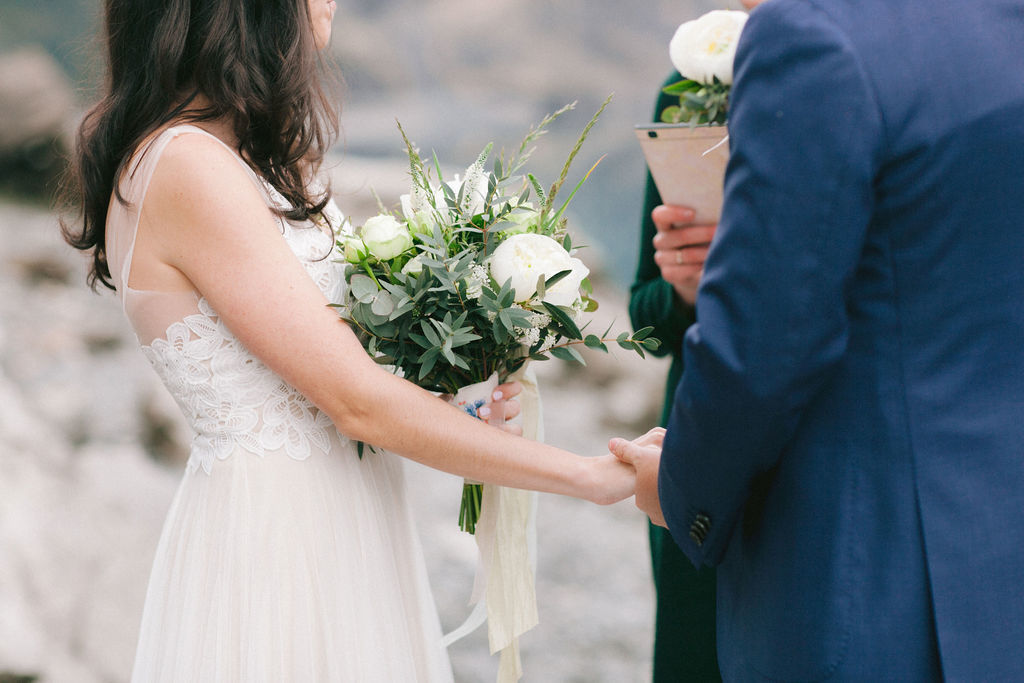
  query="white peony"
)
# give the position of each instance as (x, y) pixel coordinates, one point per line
(566, 292)
(523, 258)
(385, 237)
(705, 48)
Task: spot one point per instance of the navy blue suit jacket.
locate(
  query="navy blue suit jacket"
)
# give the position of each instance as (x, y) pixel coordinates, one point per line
(847, 441)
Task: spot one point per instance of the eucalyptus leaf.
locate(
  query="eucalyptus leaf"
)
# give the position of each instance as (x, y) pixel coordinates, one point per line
(402, 308)
(557, 277)
(568, 353)
(430, 333)
(643, 333)
(383, 304)
(540, 287)
(563, 318)
(428, 360)
(363, 288)
(422, 341)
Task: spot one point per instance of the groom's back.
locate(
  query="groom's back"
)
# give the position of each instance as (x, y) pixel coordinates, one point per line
(949, 217)
(914, 450)
(950, 201)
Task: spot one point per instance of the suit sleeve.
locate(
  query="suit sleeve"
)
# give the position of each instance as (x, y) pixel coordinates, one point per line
(805, 135)
(653, 301)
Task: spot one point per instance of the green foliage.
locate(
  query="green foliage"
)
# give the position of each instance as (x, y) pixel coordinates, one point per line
(451, 324)
(435, 311)
(699, 103)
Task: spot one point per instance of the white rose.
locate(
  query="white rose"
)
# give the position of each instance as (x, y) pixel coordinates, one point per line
(522, 219)
(352, 248)
(705, 48)
(525, 257)
(385, 237)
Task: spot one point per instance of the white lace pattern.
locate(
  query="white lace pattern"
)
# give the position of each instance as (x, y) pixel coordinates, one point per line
(232, 399)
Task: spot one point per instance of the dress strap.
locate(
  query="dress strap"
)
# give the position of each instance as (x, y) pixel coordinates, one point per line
(123, 218)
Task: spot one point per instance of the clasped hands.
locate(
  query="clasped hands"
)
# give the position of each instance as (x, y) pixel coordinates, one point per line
(680, 248)
(643, 454)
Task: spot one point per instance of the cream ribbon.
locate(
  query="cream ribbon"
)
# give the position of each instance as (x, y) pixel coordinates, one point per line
(506, 537)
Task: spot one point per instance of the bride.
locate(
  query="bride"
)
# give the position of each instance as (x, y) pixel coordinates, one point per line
(285, 556)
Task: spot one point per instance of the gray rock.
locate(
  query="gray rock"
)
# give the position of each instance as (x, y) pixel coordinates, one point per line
(36, 110)
(36, 100)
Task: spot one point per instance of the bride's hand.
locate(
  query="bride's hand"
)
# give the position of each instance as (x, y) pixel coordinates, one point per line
(503, 407)
(610, 480)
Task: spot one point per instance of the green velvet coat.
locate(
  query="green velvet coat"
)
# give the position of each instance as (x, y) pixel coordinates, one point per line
(684, 637)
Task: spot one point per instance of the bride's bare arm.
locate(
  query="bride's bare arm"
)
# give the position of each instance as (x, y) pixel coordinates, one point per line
(204, 218)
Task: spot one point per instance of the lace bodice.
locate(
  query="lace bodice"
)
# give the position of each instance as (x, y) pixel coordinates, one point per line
(229, 397)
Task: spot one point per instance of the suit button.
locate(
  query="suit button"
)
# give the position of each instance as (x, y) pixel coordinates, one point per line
(699, 529)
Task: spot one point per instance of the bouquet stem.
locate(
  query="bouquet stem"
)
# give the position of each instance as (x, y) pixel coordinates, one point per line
(469, 511)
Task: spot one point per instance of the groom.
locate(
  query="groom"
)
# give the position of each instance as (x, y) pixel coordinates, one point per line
(847, 442)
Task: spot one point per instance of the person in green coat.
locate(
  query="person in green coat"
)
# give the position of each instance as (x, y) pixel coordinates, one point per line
(672, 252)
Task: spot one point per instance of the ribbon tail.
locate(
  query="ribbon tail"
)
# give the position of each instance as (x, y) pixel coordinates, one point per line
(474, 621)
(506, 537)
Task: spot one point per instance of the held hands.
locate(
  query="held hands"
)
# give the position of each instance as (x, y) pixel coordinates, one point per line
(644, 454)
(607, 480)
(680, 248)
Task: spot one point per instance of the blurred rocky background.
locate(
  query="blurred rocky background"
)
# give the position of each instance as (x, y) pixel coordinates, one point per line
(91, 447)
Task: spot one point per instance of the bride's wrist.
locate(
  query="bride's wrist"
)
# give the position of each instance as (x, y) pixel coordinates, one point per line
(583, 479)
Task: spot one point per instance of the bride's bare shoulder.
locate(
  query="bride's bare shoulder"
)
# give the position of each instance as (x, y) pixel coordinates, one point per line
(200, 198)
(197, 171)
(192, 154)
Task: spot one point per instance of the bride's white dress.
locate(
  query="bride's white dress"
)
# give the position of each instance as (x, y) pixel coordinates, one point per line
(284, 557)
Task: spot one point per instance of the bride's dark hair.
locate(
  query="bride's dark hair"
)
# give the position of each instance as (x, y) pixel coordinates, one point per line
(255, 64)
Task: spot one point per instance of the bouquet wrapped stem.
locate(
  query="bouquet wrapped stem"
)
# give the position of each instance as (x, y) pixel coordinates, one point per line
(472, 502)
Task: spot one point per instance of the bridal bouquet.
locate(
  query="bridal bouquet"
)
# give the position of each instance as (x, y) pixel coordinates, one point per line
(703, 51)
(474, 277)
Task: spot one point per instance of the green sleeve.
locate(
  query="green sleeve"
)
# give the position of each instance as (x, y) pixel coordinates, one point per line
(653, 301)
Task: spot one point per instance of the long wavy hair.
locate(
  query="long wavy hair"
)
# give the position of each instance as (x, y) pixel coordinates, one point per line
(255, 65)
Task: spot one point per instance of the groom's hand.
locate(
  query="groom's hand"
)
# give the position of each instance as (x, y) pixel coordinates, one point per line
(644, 454)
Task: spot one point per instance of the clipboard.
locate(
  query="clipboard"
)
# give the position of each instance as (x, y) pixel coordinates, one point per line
(687, 164)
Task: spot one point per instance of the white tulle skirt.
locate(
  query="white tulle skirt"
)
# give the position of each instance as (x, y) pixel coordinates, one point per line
(271, 569)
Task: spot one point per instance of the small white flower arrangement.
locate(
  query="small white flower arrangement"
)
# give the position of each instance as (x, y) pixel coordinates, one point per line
(703, 51)
(471, 278)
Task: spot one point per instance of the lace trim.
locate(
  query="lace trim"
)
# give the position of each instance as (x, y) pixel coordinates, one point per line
(232, 399)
